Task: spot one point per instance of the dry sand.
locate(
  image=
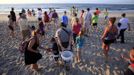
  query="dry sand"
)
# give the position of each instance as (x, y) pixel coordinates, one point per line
(93, 62)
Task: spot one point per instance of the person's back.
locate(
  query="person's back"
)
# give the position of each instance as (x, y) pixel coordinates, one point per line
(55, 15)
(76, 28)
(88, 16)
(124, 23)
(23, 23)
(46, 18)
(112, 32)
(39, 14)
(65, 19)
(64, 36)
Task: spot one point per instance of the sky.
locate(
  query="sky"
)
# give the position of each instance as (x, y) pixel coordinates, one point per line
(67, 1)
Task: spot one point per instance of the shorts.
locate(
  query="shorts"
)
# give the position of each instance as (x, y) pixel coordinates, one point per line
(25, 33)
(11, 27)
(94, 24)
(108, 42)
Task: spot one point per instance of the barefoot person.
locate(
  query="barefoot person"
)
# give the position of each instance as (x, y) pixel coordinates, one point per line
(32, 54)
(10, 25)
(87, 21)
(79, 43)
(65, 18)
(109, 35)
(13, 16)
(82, 18)
(46, 20)
(124, 25)
(24, 28)
(39, 13)
(76, 29)
(95, 21)
(55, 19)
(63, 37)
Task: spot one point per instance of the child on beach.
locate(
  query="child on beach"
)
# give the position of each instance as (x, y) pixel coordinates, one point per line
(46, 20)
(65, 18)
(41, 27)
(10, 25)
(95, 20)
(55, 49)
(79, 44)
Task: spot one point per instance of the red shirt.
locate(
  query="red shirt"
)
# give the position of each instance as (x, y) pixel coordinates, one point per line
(98, 12)
(46, 18)
(76, 28)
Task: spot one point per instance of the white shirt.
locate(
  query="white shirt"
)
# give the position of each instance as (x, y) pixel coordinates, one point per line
(124, 23)
(88, 16)
(39, 14)
(23, 24)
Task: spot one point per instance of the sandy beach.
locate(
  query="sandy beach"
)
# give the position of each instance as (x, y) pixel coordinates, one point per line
(93, 62)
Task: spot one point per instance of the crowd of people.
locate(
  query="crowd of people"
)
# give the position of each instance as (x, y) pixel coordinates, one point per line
(67, 36)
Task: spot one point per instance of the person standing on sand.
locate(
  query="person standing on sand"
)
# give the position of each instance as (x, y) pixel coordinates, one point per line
(32, 54)
(109, 36)
(41, 27)
(63, 37)
(76, 29)
(24, 28)
(10, 25)
(87, 21)
(55, 18)
(39, 14)
(13, 16)
(79, 44)
(50, 14)
(65, 18)
(97, 11)
(82, 18)
(46, 20)
(95, 21)
(73, 19)
(106, 13)
(124, 25)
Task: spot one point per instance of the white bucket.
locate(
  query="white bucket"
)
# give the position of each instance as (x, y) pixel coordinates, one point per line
(67, 56)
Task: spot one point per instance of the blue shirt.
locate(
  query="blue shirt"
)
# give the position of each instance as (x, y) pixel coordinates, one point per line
(79, 41)
(65, 19)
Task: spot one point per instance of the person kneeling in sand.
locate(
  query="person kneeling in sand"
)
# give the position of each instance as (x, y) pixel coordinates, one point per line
(130, 60)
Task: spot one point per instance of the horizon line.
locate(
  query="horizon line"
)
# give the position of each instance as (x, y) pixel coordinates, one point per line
(67, 3)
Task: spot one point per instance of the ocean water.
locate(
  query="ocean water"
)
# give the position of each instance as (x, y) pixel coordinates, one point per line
(61, 7)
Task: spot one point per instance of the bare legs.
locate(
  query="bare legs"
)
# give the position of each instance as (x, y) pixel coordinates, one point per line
(78, 55)
(105, 49)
